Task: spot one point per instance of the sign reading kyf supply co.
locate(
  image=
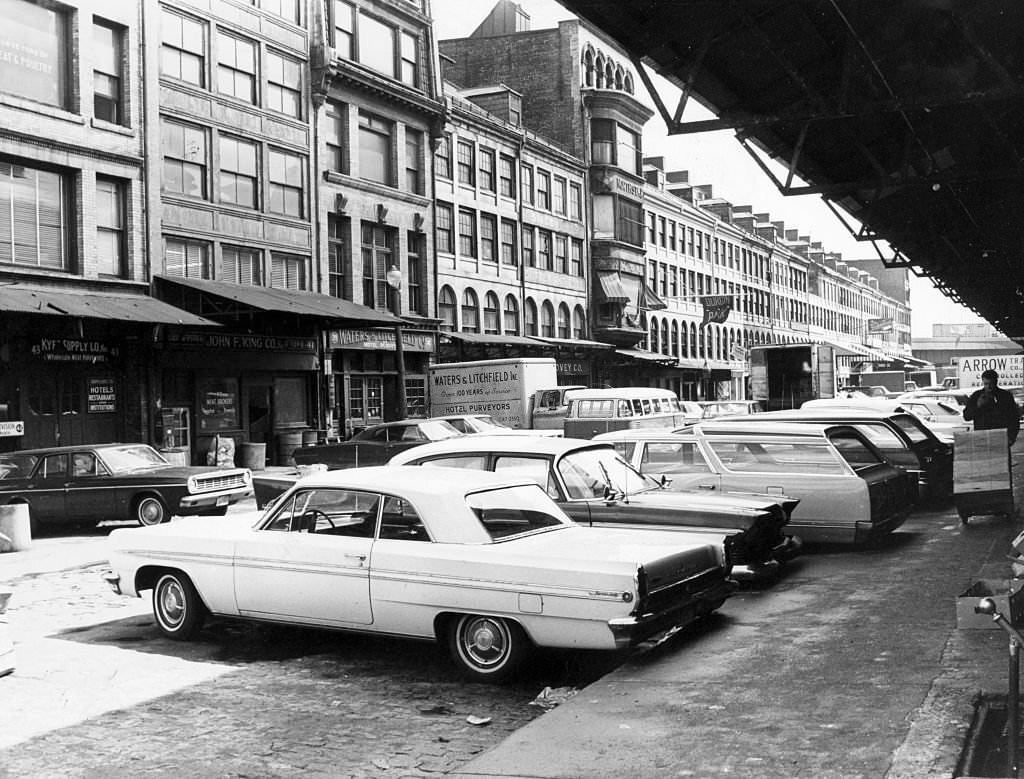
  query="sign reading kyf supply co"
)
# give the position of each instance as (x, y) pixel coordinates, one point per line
(1009, 367)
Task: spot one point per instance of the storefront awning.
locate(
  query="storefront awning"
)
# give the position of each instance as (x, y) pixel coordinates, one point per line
(612, 288)
(572, 343)
(490, 339)
(646, 356)
(93, 304)
(286, 301)
(650, 301)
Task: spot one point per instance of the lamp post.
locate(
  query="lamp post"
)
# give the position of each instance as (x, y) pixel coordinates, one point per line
(394, 279)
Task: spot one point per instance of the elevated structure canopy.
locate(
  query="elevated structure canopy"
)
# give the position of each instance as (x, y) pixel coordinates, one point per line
(906, 114)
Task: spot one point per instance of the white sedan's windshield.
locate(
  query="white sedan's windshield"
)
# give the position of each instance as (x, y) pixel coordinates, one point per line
(439, 430)
(132, 458)
(588, 472)
(489, 423)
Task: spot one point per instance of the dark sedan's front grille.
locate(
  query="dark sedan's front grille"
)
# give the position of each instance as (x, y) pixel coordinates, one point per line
(219, 481)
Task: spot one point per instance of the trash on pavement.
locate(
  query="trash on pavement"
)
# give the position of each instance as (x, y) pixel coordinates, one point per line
(550, 697)
(473, 719)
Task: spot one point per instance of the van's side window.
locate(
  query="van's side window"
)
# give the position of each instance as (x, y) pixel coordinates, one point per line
(646, 406)
(624, 409)
(638, 409)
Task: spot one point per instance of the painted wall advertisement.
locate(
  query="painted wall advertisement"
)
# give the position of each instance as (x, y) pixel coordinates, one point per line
(1009, 367)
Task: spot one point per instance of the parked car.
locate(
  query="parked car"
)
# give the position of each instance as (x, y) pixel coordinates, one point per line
(712, 409)
(87, 484)
(847, 491)
(902, 438)
(487, 563)
(471, 424)
(376, 444)
(944, 422)
(595, 486)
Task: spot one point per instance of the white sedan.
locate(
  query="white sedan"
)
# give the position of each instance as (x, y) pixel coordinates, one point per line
(487, 563)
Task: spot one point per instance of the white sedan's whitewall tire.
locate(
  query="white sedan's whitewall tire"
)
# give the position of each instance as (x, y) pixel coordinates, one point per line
(486, 648)
(177, 607)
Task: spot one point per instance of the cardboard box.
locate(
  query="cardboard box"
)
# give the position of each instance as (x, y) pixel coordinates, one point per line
(981, 463)
(1009, 602)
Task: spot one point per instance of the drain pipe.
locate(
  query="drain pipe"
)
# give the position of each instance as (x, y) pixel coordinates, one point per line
(988, 606)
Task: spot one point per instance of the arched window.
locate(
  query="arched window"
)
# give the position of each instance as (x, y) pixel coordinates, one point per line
(609, 75)
(627, 83)
(693, 339)
(674, 351)
(685, 345)
(600, 71)
(547, 320)
(446, 309)
(652, 346)
(618, 78)
(563, 321)
(665, 344)
(588, 67)
(530, 313)
(701, 335)
(470, 312)
(579, 323)
(718, 344)
(491, 325)
(511, 315)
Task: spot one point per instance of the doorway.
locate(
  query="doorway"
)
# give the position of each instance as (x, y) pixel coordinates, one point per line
(260, 411)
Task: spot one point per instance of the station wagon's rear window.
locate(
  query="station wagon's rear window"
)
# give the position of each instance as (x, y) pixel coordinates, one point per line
(778, 457)
(909, 426)
(513, 511)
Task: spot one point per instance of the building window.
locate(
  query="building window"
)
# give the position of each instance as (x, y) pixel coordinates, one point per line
(236, 68)
(288, 271)
(467, 232)
(242, 266)
(576, 257)
(183, 51)
(465, 162)
(508, 242)
(575, 202)
(344, 30)
(629, 153)
(237, 177)
(375, 136)
(487, 169)
(190, 259)
(613, 144)
(337, 256)
(414, 161)
(415, 272)
(443, 229)
(602, 142)
(511, 315)
(561, 254)
(446, 309)
(443, 157)
(375, 45)
(559, 195)
(491, 314)
(107, 92)
(629, 226)
(409, 56)
(184, 169)
(334, 136)
(470, 312)
(526, 183)
(284, 193)
(547, 320)
(563, 321)
(543, 190)
(579, 323)
(36, 52)
(530, 317)
(378, 256)
(111, 252)
(652, 221)
(529, 256)
(284, 84)
(545, 258)
(286, 9)
(506, 176)
(488, 237)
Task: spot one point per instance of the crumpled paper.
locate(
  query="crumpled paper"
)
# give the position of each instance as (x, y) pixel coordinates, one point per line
(550, 697)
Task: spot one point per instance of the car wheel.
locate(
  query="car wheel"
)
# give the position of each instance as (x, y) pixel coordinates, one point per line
(488, 649)
(149, 510)
(178, 609)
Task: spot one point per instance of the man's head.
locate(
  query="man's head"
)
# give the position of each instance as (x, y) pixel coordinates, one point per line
(989, 379)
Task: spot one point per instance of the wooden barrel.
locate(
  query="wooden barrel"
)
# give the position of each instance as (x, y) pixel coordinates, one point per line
(287, 443)
(309, 437)
(253, 456)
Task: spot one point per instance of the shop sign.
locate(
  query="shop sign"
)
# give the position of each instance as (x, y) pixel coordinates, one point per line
(379, 339)
(608, 181)
(74, 350)
(11, 429)
(1009, 367)
(572, 367)
(102, 396)
(239, 342)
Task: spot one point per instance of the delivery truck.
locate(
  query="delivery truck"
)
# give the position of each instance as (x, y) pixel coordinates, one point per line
(784, 376)
(521, 393)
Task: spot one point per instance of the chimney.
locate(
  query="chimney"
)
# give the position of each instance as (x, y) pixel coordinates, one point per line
(717, 206)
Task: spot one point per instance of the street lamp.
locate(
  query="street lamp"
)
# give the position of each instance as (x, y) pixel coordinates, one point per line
(394, 279)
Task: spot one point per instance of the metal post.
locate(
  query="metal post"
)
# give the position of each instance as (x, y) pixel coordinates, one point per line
(394, 280)
(988, 606)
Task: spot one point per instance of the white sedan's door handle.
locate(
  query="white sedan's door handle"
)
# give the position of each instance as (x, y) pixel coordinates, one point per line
(705, 486)
(359, 558)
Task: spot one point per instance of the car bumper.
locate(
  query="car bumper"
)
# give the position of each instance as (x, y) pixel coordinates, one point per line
(631, 630)
(196, 504)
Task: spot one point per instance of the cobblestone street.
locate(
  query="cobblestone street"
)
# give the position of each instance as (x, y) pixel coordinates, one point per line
(97, 691)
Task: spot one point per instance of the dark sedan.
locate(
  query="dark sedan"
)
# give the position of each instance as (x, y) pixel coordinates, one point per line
(87, 484)
(376, 444)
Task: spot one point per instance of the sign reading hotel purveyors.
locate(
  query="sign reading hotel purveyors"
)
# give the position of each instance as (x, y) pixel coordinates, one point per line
(1009, 367)
(382, 339)
(11, 429)
(102, 396)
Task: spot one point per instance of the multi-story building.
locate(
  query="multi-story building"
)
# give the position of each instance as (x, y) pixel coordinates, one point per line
(511, 237)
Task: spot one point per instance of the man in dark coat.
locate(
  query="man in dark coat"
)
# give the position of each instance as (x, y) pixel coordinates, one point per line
(992, 407)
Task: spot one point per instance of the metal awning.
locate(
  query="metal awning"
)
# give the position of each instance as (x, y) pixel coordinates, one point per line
(572, 343)
(248, 298)
(612, 288)
(645, 356)
(490, 339)
(93, 304)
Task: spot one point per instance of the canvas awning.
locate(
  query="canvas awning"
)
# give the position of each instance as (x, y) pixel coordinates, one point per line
(612, 288)
(93, 304)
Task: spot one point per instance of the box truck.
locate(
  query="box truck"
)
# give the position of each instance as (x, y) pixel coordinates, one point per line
(785, 376)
